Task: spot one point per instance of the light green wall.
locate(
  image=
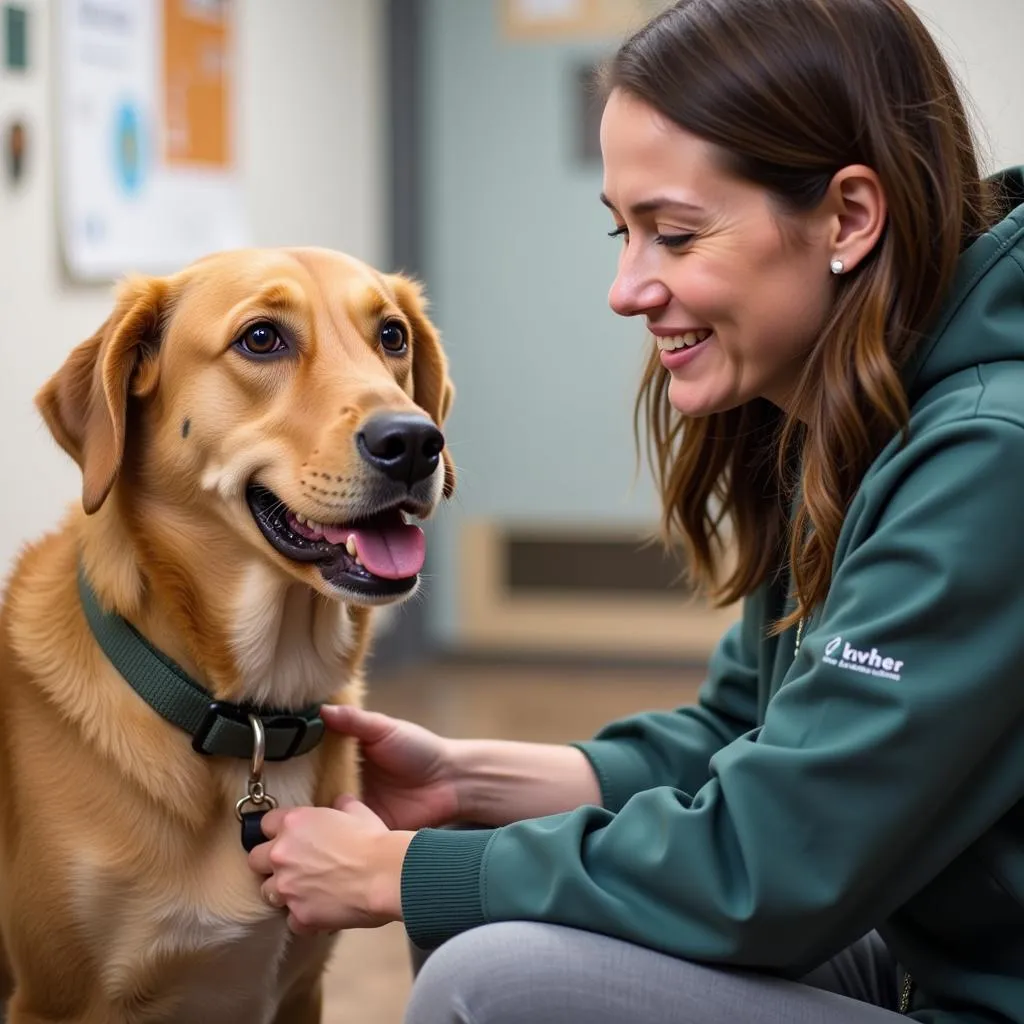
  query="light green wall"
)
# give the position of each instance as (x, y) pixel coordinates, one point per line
(518, 267)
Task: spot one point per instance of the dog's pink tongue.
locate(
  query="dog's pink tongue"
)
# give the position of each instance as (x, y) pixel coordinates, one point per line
(394, 551)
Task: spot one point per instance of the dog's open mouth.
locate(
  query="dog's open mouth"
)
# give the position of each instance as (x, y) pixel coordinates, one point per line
(379, 556)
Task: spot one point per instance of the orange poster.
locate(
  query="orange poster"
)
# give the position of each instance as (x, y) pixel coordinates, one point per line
(197, 92)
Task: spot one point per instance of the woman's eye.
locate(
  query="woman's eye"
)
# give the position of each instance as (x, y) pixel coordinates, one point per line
(620, 232)
(674, 241)
(394, 338)
(262, 339)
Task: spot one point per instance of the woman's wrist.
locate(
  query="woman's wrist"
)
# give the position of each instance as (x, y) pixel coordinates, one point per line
(384, 894)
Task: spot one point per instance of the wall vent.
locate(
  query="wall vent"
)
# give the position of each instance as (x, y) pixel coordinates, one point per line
(561, 564)
(587, 591)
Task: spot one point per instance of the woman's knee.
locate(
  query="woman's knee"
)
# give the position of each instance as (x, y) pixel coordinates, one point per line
(482, 976)
(523, 972)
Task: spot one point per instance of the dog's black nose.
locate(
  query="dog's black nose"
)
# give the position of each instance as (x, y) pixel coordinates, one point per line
(403, 446)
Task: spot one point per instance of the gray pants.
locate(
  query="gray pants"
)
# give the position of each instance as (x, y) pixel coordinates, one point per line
(527, 973)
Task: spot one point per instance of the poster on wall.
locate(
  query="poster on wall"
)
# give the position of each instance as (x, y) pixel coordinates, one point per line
(147, 174)
(532, 20)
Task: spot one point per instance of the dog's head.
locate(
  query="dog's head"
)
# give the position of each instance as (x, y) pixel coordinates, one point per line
(287, 399)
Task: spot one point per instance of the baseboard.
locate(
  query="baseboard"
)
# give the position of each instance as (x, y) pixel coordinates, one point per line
(529, 591)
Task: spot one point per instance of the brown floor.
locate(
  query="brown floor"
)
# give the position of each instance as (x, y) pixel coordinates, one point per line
(369, 979)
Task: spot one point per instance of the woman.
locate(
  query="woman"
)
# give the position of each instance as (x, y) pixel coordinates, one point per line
(836, 301)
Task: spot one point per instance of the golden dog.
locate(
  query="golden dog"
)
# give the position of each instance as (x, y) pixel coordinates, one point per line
(252, 433)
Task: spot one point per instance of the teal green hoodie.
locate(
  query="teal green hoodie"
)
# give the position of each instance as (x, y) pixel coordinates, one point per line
(871, 778)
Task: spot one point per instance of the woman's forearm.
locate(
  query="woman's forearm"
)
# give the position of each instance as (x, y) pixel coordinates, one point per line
(500, 781)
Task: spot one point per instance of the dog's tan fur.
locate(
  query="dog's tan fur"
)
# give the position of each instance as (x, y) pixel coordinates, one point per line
(125, 895)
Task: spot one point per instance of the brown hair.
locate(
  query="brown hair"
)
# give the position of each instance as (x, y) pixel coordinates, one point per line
(792, 91)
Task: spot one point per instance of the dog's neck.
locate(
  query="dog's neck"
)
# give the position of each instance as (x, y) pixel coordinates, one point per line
(237, 625)
(290, 645)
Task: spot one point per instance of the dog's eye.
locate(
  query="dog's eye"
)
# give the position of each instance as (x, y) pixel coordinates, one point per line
(393, 337)
(261, 339)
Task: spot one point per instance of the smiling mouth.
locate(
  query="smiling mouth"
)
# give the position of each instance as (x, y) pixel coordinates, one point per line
(689, 339)
(377, 557)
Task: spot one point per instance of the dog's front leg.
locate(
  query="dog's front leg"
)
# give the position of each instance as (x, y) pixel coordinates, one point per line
(303, 998)
(302, 1006)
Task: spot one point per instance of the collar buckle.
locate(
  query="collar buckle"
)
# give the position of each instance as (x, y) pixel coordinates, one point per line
(226, 731)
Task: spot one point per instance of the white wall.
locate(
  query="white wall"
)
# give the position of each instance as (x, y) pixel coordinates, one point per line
(310, 146)
(312, 122)
(982, 39)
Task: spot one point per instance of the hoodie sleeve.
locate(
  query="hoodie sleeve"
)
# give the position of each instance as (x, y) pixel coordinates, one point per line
(674, 748)
(904, 697)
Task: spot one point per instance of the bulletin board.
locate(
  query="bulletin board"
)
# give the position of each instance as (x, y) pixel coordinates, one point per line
(146, 153)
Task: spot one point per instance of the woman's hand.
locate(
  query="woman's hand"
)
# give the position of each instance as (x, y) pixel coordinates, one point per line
(408, 775)
(331, 868)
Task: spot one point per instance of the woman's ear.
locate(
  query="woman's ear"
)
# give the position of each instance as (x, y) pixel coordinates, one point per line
(858, 204)
(85, 403)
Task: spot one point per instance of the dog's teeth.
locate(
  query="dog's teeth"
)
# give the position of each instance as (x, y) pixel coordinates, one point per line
(350, 547)
(301, 519)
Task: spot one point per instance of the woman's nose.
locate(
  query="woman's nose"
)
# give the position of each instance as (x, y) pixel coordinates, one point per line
(633, 293)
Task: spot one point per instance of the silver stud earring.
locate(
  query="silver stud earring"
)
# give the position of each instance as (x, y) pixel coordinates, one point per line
(837, 266)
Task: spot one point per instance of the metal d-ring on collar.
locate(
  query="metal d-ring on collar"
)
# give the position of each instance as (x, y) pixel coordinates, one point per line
(255, 794)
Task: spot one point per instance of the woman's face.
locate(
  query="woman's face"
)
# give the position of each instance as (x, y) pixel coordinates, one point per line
(733, 299)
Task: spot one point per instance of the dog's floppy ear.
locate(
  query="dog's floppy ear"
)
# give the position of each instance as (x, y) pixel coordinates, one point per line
(85, 403)
(433, 390)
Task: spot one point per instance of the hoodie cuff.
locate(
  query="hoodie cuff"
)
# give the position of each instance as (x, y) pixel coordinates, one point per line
(441, 890)
(621, 771)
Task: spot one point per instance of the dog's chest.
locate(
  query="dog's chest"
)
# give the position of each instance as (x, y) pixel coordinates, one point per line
(196, 925)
